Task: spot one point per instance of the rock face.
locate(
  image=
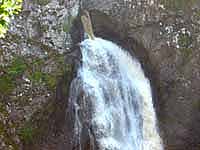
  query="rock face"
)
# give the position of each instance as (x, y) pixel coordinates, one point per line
(35, 72)
(34, 78)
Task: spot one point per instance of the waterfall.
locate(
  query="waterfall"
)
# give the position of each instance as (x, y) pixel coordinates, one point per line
(112, 100)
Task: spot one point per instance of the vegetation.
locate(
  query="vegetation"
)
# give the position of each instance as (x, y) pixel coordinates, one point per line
(8, 8)
(184, 40)
(6, 85)
(68, 22)
(15, 69)
(178, 4)
(186, 52)
(42, 2)
(27, 133)
(40, 77)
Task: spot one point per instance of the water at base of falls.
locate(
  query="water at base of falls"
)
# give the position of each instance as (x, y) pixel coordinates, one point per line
(112, 98)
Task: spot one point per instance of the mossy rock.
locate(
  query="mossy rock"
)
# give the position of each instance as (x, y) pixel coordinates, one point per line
(6, 85)
(38, 126)
(44, 28)
(178, 4)
(186, 52)
(6, 137)
(27, 134)
(50, 81)
(40, 77)
(184, 40)
(36, 129)
(36, 77)
(42, 2)
(3, 109)
(68, 22)
(14, 70)
(17, 67)
(196, 104)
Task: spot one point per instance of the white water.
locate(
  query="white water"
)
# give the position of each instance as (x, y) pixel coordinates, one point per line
(123, 116)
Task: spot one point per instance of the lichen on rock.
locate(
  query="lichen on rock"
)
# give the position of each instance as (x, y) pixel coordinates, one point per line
(32, 65)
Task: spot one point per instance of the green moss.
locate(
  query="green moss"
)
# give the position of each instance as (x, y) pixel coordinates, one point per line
(38, 61)
(68, 68)
(67, 24)
(60, 59)
(36, 128)
(39, 77)
(6, 137)
(44, 28)
(2, 130)
(37, 64)
(198, 13)
(17, 67)
(50, 81)
(27, 133)
(14, 70)
(42, 2)
(6, 85)
(36, 77)
(196, 105)
(184, 40)
(3, 109)
(186, 52)
(178, 4)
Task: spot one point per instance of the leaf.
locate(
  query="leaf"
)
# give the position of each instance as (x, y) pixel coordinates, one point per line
(8, 8)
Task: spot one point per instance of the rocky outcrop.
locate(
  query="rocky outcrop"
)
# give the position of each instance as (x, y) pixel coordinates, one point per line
(35, 72)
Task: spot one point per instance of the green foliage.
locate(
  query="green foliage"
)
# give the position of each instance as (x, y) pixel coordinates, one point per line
(186, 52)
(6, 138)
(50, 81)
(27, 134)
(42, 2)
(8, 8)
(7, 81)
(178, 4)
(3, 110)
(17, 67)
(68, 22)
(6, 85)
(36, 77)
(196, 104)
(40, 77)
(184, 40)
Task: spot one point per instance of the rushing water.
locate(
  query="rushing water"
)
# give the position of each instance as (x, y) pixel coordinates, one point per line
(120, 109)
